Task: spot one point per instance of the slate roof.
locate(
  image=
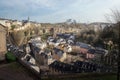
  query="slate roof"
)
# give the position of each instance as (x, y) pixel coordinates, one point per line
(83, 45)
(58, 52)
(66, 36)
(92, 51)
(99, 50)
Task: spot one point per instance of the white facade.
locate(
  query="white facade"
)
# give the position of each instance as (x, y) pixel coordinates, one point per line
(64, 57)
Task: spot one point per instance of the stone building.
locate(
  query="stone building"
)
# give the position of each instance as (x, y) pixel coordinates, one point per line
(3, 48)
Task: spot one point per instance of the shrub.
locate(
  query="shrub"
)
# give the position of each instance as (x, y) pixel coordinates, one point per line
(10, 57)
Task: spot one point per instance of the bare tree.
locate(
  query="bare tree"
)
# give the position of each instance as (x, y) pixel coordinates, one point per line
(114, 16)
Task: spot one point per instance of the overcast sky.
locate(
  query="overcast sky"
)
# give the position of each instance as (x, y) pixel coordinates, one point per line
(57, 10)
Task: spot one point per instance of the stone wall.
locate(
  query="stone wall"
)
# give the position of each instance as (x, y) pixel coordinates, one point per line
(3, 48)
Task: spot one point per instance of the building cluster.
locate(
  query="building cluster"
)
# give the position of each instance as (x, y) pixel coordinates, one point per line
(65, 50)
(64, 27)
(18, 25)
(60, 52)
(76, 67)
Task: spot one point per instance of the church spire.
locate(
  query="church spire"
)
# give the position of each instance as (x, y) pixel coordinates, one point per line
(28, 19)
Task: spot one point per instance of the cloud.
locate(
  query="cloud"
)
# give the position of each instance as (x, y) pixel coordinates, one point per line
(57, 10)
(38, 3)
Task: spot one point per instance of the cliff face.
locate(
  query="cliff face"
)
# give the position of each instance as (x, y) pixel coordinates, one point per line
(17, 37)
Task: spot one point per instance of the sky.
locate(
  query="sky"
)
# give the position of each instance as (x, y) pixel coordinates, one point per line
(52, 11)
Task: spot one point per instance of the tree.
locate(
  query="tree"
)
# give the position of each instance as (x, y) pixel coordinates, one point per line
(12, 27)
(51, 31)
(114, 16)
(45, 36)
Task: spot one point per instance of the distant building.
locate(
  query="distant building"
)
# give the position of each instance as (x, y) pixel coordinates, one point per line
(3, 48)
(6, 22)
(3, 21)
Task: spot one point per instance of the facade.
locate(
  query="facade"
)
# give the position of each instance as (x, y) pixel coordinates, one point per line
(3, 48)
(59, 55)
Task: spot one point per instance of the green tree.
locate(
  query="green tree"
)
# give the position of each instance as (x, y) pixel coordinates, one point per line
(12, 27)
